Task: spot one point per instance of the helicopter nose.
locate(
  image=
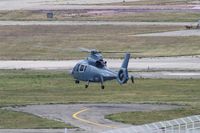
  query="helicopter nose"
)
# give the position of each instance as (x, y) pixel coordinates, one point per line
(71, 72)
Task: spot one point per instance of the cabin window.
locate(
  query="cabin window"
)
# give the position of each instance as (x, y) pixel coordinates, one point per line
(77, 67)
(85, 68)
(81, 68)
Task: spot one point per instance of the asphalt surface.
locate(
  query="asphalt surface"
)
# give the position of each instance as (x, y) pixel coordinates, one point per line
(183, 63)
(36, 131)
(24, 4)
(168, 75)
(116, 23)
(185, 67)
(88, 117)
(86, 4)
(193, 32)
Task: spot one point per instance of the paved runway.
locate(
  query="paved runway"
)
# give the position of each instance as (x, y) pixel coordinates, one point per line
(36, 131)
(184, 63)
(87, 4)
(115, 23)
(89, 117)
(193, 32)
(185, 67)
(44, 4)
(168, 75)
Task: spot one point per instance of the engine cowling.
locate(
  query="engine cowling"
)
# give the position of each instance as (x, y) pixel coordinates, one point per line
(122, 76)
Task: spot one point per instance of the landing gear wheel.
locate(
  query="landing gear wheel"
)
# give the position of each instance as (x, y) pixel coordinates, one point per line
(132, 79)
(86, 86)
(102, 87)
(77, 81)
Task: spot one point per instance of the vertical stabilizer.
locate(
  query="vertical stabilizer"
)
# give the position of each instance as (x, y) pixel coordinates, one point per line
(122, 76)
(126, 61)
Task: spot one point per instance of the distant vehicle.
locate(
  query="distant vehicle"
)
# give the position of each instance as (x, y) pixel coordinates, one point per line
(193, 26)
(94, 69)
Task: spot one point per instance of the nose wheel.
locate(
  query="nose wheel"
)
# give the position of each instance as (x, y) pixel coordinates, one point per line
(87, 85)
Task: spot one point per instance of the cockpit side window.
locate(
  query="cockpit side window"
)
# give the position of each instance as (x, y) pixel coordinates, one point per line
(77, 67)
(85, 68)
(81, 68)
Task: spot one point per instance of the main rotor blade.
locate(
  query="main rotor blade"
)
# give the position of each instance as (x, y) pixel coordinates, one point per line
(90, 50)
(85, 49)
(119, 52)
(53, 48)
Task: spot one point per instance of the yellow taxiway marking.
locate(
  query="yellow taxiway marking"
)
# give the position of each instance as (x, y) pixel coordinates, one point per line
(75, 116)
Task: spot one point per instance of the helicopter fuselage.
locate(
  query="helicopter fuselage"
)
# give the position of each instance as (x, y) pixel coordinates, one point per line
(94, 69)
(84, 71)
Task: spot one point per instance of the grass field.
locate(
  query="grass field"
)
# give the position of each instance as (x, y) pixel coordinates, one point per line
(139, 118)
(18, 120)
(149, 17)
(23, 87)
(83, 15)
(61, 42)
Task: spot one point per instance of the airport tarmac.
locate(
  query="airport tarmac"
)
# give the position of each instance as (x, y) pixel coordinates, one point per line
(88, 4)
(115, 23)
(181, 63)
(191, 32)
(167, 74)
(185, 67)
(24, 4)
(37, 131)
(88, 117)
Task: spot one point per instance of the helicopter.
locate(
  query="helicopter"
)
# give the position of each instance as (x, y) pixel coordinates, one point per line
(94, 69)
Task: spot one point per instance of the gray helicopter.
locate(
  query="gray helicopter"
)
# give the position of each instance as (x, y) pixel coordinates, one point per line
(94, 69)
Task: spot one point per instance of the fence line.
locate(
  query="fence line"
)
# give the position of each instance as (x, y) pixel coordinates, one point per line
(183, 125)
